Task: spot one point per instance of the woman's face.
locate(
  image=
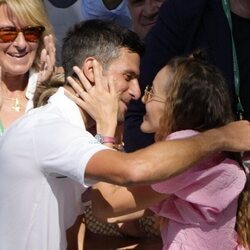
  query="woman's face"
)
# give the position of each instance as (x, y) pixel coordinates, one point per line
(16, 57)
(155, 101)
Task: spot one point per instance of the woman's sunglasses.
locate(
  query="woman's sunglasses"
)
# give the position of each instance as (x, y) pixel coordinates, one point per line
(30, 33)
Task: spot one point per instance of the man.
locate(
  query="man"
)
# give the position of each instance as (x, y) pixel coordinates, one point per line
(144, 14)
(48, 158)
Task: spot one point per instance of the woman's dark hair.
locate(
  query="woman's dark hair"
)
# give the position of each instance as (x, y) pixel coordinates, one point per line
(197, 97)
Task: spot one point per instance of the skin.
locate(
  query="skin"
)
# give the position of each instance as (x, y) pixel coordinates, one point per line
(168, 158)
(155, 106)
(144, 14)
(240, 7)
(129, 200)
(16, 59)
(111, 202)
(173, 157)
(123, 72)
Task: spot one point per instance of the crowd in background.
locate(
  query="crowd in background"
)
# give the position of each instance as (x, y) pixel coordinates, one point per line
(134, 105)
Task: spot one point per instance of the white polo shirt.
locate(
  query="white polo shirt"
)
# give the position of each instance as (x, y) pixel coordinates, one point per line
(42, 163)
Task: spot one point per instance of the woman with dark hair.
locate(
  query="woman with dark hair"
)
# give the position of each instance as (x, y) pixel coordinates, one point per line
(188, 96)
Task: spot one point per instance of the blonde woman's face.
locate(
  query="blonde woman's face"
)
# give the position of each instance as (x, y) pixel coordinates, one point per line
(17, 57)
(156, 101)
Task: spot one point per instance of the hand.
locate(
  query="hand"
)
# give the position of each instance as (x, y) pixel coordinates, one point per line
(236, 136)
(47, 59)
(100, 101)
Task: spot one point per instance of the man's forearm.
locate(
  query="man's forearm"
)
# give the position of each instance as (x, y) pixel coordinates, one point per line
(163, 160)
(157, 162)
(166, 159)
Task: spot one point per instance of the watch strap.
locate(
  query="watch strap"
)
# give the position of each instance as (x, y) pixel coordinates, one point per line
(105, 139)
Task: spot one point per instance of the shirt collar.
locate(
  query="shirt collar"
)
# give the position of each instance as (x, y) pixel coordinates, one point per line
(31, 87)
(68, 108)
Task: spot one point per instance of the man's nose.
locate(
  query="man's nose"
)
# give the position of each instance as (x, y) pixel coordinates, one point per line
(134, 89)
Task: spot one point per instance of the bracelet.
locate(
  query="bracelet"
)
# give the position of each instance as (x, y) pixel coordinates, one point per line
(105, 139)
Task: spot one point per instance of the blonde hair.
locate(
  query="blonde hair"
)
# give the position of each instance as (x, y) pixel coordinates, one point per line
(46, 89)
(31, 13)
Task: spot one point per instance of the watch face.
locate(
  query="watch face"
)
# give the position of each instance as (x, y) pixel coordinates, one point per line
(98, 138)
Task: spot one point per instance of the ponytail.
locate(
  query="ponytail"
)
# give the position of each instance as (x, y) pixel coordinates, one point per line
(243, 216)
(45, 90)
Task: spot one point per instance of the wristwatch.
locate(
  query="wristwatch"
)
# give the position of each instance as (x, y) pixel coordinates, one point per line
(104, 139)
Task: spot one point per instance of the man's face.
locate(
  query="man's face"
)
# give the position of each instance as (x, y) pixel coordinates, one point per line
(144, 14)
(125, 71)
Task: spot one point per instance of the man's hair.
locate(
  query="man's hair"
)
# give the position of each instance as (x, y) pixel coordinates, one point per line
(94, 38)
(100, 39)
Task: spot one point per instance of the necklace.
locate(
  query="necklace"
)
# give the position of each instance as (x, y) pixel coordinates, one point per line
(16, 105)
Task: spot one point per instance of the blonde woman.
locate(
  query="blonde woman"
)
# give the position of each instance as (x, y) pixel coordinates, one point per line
(27, 56)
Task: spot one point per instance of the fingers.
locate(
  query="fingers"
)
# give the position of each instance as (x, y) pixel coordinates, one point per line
(102, 84)
(111, 85)
(47, 59)
(51, 50)
(75, 85)
(43, 56)
(74, 98)
(84, 81)
(48, 54)
(100, 81)
(49, 45)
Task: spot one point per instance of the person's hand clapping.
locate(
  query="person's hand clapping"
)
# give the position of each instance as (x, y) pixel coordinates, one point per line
(47, 59)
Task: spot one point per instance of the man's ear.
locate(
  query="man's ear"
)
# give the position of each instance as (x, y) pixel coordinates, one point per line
(87, 69)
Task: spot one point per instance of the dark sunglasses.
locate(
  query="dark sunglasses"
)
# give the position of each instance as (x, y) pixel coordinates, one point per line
(30, 33)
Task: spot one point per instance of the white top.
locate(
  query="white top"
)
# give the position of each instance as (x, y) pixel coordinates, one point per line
(31, 88)
(36, 206)
(29, 94)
